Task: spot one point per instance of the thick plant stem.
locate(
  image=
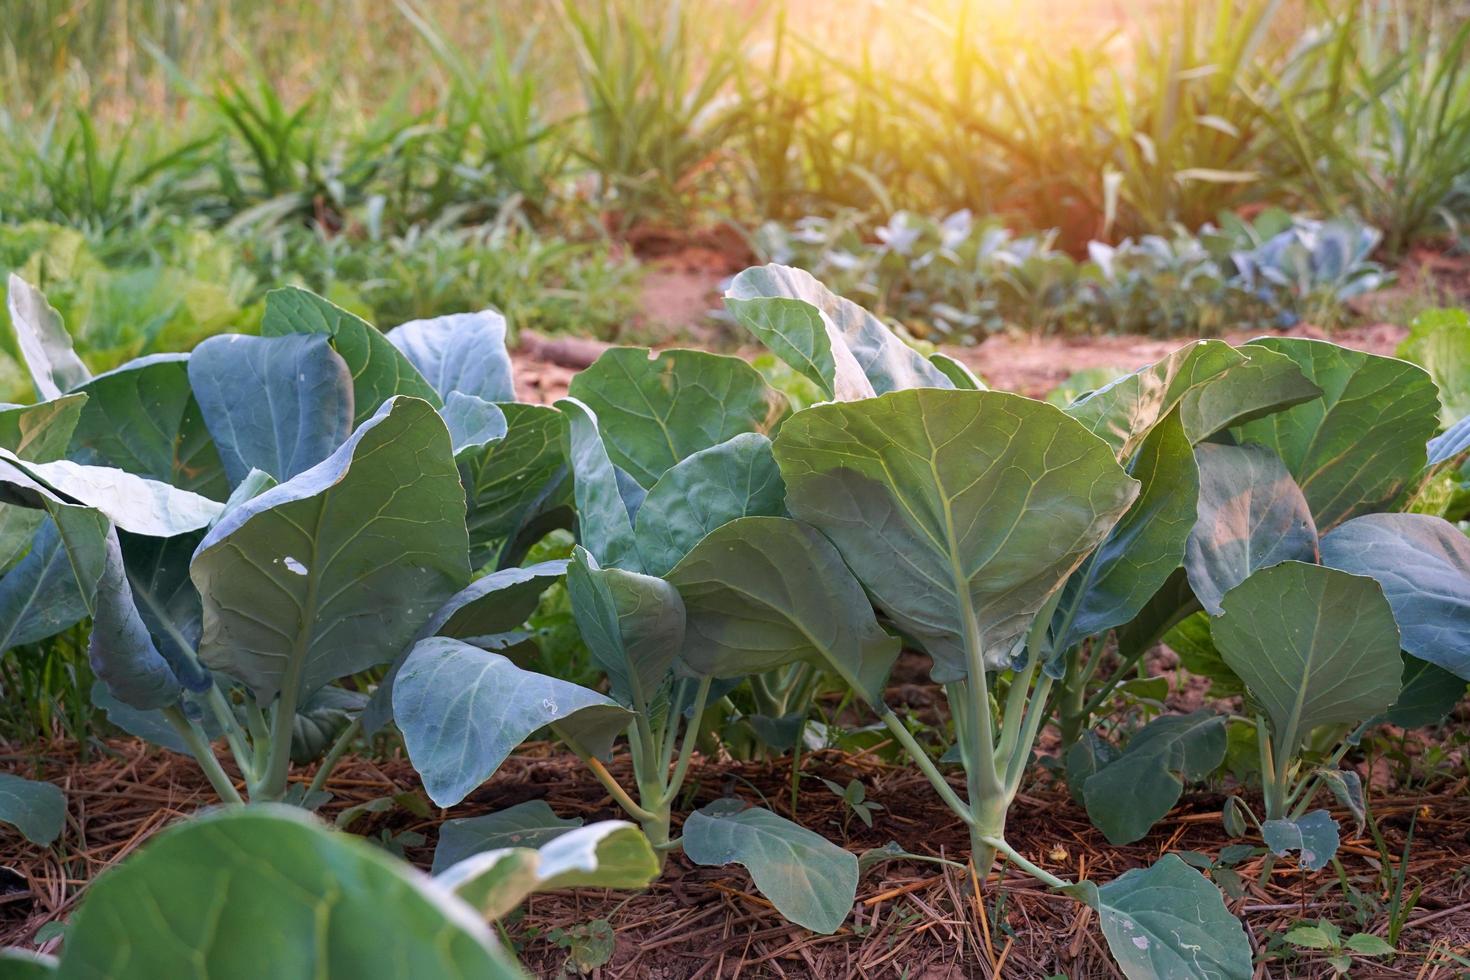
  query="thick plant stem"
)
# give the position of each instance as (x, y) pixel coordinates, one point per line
(335, 754)
(203, 752)
(921, 759)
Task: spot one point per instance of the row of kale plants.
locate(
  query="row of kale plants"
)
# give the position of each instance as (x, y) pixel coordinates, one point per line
(256, 527)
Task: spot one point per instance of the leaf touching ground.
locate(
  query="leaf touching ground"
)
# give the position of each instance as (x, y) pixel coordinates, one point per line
(379, 371)
(44, 344)
(949, 505)
(220, 885)
(529, 824)
(1356, 448)
(36, 809)
(1252, 515)
(1167, 920)
(657, 410)
(633, 625)
(607, 854)
(1314, 646)
(809, 879)
(337, 569)
(461, 352)
(802, 336)
(133, 503)
(1126, 797)
(462, 710)
(710, 488)
(761, 592)
(275, 404)
(1313, 835)
(1423, 565)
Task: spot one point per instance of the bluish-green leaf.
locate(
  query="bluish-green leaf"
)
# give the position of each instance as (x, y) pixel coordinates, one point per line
(1126, 797)
(528, 824)
(473, 423)
(461, 352)
(633, 626)
(604, 519)
(51, 589)
(1313, 836)
(507, 477)
(45, 346)
(36, 809)
(120, 648)
(133, 503)
(802, 336)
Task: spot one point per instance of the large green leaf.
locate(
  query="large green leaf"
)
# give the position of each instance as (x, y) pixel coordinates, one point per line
(1428, 695)
(705, 490)
(379, 370)
(36, 809)
(265, 891)
(40, 432)
(507, 477)
(633, 626)
(1439, 342)
(120, 648)
(808, 878)
(1423, 565)
(607, 854)
(1314, 646)
(1267, 382)
(1356, 448)
(165, 597)
(1144, 548)
(802, 336)
(888, 363)
(44, 344)
(461, 352)
(765, 591)
(336, 570)
(275, 404)
(133, 503)
(529, 824)
(604, 517)
(462, 710)
(1128, 795)
(656, 410)
(1252, 515)
(959, 511)
(52, 587)
(1168, 921)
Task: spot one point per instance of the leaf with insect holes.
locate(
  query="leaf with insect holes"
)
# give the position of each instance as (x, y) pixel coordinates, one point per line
(1313, 836)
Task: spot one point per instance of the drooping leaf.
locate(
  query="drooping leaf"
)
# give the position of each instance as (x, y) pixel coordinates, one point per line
(462, 710)
(1313, 836)
(1439, 342)
(957, 372)
(709, 488)
(506, 477)
(1314, 646)
(151, 725)
(953, 505)
(473, 423)
(633, 626)
(1252, 515)
(259, 892)
(133, 503)
(1347, 787)
(121, 650)
(654, 411)
(461, 352)
(165, 597)
(809, 879)
(337, 569)
(51, 589)
(44, 344)
(1267, 382)
(318, 722)
(276, 404)
(1428, 695)
(802, 336)
(604, 519)
(761, 592)
(1126, 797)
(607, 854)
(888, 363)
(36, 809)
(1144, 548)
(1170, 606)
(529, 824)
(379, 371)
(1423, 565)
(1354, 449)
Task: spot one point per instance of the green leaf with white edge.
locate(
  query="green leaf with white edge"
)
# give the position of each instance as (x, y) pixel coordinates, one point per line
(51, 588)
(1439, 342)
(324, 716)
(133, 503)
(1355, 449)
(36, 809)
(460, 352)
(23, 964)
(954, 506)
(761, 592)
(655, 410)
(337, 569)
(604, 519)
(710, 488)
(530, 824)
(802, 336)
(462, 710)
(633, 626)
(1267, 382)
(887, 362)
(1428, 695)
(958, 373)
(1314, 646)
(1313, 836)
(473, 423)
(1143, 549)
(1423, 565)
(45, 346)
(606, 854)
(809, 879)
(379, 370)
(505, 478)
(1126, 797)
(120, 649)
(143, 418)
(1168, 920)
(1252, 515)
(40, 432)
(275, 404)
(280, 875)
